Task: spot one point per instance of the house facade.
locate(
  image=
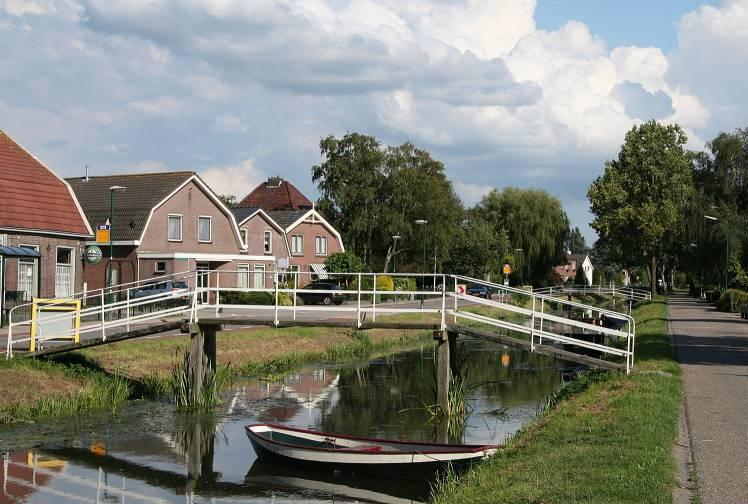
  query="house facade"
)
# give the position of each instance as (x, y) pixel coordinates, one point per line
(568, 271)
(43, 231)
(162, 224)
(310, 239)
(267, 248)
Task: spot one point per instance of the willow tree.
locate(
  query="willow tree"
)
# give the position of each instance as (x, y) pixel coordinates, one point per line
(536, 225)
(639, 200)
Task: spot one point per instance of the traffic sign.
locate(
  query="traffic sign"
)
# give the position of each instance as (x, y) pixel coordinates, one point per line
(507, 269)
(460, 289)
(102, 233)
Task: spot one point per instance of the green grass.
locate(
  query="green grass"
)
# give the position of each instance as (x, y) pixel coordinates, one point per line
(607, 439)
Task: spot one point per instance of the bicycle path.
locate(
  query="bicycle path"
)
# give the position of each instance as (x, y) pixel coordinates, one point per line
(712, 348)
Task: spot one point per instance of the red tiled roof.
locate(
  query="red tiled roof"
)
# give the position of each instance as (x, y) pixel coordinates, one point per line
(276, 194)
(32, 197)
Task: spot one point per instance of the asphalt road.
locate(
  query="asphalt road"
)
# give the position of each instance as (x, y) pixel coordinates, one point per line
(712, 348)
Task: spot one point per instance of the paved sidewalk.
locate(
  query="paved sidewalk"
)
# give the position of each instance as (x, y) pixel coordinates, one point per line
(712, 348)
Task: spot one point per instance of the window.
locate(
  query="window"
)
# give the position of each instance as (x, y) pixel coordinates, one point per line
(242, 280)
(268, 241)
(175, 228)
(27, 275)
(204, 229)
(3, 240)
(297, 245)
(258, 281)
(160, 267)
(243, 235)
(64, 273)
(320, 245)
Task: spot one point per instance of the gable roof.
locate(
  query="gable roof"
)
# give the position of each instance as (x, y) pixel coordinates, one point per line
(276, 194)
(285, 218)
(289, 219)
(132, 207)
(34, 197)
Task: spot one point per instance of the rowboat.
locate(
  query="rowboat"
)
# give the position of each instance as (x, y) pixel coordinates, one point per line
(357, 455)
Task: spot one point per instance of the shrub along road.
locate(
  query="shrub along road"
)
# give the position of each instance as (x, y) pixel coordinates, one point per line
(712, 348)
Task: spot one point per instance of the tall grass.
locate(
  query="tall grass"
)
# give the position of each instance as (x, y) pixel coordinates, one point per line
(213, 382)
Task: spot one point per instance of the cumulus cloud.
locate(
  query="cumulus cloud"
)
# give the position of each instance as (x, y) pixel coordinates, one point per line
(642, 104)
(236, 179)
(228, 123)
(160, 106)
(20, 8)
(470, 194)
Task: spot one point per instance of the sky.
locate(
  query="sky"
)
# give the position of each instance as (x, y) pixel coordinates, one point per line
(504, 92)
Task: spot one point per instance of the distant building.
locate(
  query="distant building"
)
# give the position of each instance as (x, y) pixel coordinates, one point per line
(309, 237)
(163, 223)
(266, 246)
(568, 272)
(42, 231)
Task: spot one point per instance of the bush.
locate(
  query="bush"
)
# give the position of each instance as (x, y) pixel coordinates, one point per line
(385, 283)
(247, 298)
(731, 300)
(404, 283)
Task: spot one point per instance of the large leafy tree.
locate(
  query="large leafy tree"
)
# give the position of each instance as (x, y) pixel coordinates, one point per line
(478, 250)
(372, 192)
(536, 226)
(637, 202)
(575, 243)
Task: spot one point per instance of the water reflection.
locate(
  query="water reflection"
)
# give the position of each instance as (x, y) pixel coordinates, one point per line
(148, 453)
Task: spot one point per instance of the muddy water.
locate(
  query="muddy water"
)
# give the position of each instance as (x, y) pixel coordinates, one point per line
(149, 453)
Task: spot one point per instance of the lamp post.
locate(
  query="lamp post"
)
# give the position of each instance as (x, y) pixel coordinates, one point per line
(521, 270)
(422, 223)
(727, 246)
(110, 275)
(394, 252)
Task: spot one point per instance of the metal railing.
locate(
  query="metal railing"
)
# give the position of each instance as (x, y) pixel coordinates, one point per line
(624, 292)
(281, 297)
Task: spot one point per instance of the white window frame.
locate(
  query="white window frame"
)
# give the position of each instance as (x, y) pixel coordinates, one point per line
(267, 234)
(246, 273)
(210, 228)
(156, 269)
(243, 236)
(181, 227)
(256, 268)
(294, 250)
(72, 267)
(37, 266)
(318, 241)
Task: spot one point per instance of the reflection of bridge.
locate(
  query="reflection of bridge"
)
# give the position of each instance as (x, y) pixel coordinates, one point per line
(529, 320)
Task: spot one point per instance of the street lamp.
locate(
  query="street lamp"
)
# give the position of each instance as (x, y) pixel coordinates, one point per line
(521, 272)
(394, 252)
(422, 223)
(727, 246)
(110, 276)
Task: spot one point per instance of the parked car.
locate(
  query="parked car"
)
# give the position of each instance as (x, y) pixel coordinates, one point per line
(178, 289)
(480, 290)
(321, 297)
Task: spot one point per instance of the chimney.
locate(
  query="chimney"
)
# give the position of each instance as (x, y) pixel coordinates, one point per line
(85, 179)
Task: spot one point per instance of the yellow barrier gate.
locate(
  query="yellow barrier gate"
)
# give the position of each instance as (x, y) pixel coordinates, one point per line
(46, 318)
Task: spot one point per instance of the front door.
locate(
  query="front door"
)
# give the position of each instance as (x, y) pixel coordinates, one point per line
(28, 271)
(203, 280)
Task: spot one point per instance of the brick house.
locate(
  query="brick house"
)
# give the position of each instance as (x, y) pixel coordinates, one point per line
(310, 238)
(42, 231)
(568, 272)
(163, 223)
(266, 245)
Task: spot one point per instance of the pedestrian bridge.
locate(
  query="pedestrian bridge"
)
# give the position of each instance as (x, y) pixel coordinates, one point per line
(207, 300)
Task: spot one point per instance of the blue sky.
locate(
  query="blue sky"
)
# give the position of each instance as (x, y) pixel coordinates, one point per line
(621, 23)
(504, 92)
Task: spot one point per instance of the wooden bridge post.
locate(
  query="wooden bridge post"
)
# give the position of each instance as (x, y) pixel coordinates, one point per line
(202, 358)
(443, 371)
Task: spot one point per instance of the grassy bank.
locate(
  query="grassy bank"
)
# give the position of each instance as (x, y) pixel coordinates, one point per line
(109, 375)
(609, 439)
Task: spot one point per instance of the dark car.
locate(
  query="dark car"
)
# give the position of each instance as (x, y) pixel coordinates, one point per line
(480, 290)
(744, 311)
(321, 297)
(178, 289)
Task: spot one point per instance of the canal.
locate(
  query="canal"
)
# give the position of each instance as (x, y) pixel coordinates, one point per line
(149, 453)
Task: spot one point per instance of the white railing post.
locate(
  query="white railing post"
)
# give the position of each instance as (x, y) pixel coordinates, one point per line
(127, 310)
(444, 302)
(532, 326)
(218, 291)
(374, 301)
(455, 294)
(358, 308)
(275, 281)
(103, 329)
(9, 346)
(542, 312)
(295, 284)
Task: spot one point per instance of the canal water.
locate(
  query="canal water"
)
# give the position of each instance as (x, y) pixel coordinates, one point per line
(149, 453)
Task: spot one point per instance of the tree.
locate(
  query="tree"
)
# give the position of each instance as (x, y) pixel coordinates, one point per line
(229, 200)
(371, 192)
(534, 222)
(344, 262)
(575, 243)
(637, 202)
(478, 250)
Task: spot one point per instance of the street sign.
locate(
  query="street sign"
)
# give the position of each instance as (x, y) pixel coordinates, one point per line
(507, 269)
(506, 281)
(102, 234)
(460, 289)
(93, 254)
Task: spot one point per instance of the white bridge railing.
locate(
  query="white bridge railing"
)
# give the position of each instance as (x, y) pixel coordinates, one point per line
(285, 297)
(624, 292)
